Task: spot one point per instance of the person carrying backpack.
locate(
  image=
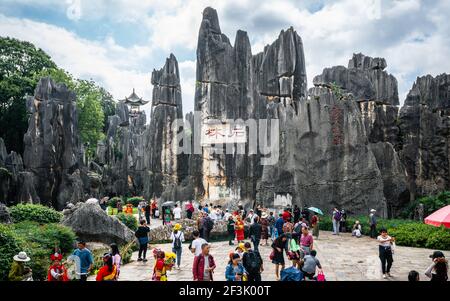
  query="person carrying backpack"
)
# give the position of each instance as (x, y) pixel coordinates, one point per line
(177, 237)
(208, 225)
(336, 219)
(252, 263)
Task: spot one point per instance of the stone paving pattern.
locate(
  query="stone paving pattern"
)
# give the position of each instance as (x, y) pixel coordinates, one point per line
(343, 258)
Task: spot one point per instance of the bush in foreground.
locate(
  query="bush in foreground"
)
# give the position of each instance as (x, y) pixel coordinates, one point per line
(129, 220)
(38, 241)
(421, 236)
(35, 213)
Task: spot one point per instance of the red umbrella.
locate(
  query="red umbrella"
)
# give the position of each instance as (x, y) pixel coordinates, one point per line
(439, 218)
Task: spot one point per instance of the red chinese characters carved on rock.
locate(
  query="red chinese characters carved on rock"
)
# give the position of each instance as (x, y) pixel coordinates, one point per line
(336, 119)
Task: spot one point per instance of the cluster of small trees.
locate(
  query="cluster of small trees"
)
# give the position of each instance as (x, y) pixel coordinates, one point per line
(21, 67)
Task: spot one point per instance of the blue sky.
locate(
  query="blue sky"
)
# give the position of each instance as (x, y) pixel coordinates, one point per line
(119, 42)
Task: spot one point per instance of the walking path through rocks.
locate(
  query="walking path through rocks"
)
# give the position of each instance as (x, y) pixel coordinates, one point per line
(343, 258)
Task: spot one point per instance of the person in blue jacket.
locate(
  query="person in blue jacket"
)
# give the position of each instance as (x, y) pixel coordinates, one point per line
(235, 270)
(279, 224)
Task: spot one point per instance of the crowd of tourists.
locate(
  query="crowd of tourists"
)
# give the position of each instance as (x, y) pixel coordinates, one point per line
(290, 235)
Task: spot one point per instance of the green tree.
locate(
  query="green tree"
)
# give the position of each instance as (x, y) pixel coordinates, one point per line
(90, 114)
(19, 62)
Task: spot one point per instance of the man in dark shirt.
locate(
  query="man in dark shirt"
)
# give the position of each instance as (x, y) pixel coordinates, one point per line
(255, 233)
(142, 236)
(252, 263)
(296, 214)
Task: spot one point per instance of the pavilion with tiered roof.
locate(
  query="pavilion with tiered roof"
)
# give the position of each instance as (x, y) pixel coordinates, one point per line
(134, 101)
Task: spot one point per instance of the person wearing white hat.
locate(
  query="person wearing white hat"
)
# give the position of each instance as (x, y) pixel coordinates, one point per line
(373, 223)
(20, 272)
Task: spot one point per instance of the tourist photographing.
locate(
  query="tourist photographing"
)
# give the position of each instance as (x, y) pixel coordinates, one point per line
(204, 265)
(438, 270)
(336, 219)
(235, 270)
(142, 237)
(385, 252)
(177, 238)
(86, 260)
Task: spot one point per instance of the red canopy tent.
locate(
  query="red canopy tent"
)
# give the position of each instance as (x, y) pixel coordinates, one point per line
(439, 218)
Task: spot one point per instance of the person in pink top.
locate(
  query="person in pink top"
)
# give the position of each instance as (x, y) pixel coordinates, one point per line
(306, 241)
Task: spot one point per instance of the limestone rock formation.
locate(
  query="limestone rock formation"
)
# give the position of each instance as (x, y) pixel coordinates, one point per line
(91, 223)
(5, 217)
(425, 132)
(377, 95)
(167, 167)
(325, 161)
(365, 78)
(52, 146)
(121, 157)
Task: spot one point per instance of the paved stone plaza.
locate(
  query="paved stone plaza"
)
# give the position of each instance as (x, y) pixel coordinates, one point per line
(344, 258)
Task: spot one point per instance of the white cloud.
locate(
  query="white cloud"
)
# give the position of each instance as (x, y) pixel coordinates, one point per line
(411, 34)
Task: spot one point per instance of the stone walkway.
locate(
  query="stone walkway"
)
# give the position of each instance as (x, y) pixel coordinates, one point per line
(343, 258)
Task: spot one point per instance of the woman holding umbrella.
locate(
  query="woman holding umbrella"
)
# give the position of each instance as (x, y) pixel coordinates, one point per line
(315, 221)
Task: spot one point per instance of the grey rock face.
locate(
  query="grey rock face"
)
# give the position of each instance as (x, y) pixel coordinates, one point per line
(91, 223)
(166, 165)
(52, 146)
(325, 161)
(121, 157)
(425, 131)
(365, 78)
(5, 217)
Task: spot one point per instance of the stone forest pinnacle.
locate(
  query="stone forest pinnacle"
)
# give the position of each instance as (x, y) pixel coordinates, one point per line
(345, 142)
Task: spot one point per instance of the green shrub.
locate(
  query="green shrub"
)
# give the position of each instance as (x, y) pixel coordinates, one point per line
(430, 204)
(36, 213)
(326, 224)
(38, 241)
(129, 220)
(135, 200)
(8, 248)
(113, 201)
(48, 236)
(421, 236)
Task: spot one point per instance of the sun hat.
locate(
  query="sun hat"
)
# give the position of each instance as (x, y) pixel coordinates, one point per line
(373, 210)
(22, 257)
(264, 215)
(177, 227)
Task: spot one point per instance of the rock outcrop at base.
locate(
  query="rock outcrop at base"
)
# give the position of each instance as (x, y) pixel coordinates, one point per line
(163, 232)
(91, 223)
(5, 217)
